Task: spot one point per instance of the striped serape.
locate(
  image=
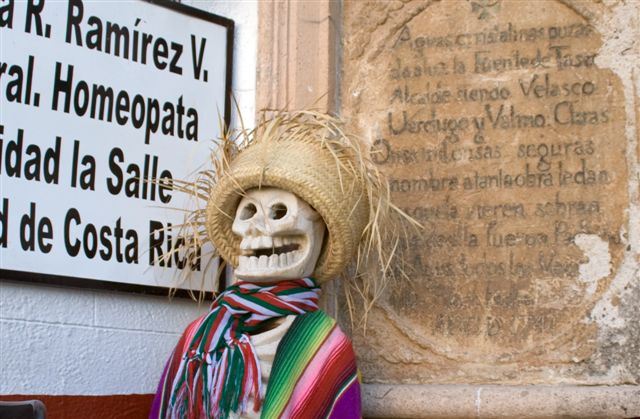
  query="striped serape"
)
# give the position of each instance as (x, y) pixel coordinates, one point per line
(314, 374)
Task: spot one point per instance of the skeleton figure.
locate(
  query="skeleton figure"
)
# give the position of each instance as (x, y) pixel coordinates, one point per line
(288, 209)
(281, 239)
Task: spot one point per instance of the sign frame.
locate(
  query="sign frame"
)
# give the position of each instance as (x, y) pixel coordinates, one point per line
(97, 284)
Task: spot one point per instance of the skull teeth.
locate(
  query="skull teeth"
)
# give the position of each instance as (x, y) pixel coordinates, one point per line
(269, 251)
(259, 242)
(265, 253)
(273, 261)
(262, 262)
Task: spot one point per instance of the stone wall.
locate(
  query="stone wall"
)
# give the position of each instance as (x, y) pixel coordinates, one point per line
(509, 130)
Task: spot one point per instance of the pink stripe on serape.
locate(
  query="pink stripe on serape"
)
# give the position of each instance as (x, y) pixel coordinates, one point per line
(330, 368)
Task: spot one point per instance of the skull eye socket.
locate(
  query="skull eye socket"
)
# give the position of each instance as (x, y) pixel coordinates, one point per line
(277, 211)
(248, 211)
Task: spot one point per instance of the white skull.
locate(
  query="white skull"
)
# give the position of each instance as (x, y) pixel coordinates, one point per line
(281, 236)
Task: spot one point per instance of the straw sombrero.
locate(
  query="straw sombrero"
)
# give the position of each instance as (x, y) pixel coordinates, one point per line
(305, 158)
(308, 154)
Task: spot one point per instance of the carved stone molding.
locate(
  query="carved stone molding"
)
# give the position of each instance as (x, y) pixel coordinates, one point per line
(296, 55)
(495, 401)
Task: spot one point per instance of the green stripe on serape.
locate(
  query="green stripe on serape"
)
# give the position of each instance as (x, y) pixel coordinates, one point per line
(295, 351)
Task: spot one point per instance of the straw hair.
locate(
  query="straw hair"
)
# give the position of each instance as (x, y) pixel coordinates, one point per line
(306, 153)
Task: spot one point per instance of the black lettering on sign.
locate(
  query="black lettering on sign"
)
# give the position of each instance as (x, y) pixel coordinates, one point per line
(128, 43)
(159, 236)
(174, 67)
(29, 162)
(140, 181)
(34, 9)
(6, 14)
(75, 10)
(29, 235)
(20, 81)
(197, 56)
(107, 242)
(98, 102)
(83, 170)
(4, 222)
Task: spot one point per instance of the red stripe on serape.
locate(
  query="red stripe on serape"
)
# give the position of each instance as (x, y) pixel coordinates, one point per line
(216, 324)
(245, 287)
(300, 283)
(339, 367)
(193, 327)
(257, 403)
(238, 303)
(284, 286)
(199, 409)
(191, 372)
(251, 369)
(176, 359)
(243, 389)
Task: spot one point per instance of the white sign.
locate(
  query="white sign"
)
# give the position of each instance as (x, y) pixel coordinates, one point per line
(98, 100)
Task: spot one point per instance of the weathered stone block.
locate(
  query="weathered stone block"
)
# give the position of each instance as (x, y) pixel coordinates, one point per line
(509, 130)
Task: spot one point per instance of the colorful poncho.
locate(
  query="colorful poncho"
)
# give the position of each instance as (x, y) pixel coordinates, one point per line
(314, 372)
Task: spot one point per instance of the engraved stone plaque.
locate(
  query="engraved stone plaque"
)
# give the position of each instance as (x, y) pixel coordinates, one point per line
(503, 135)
